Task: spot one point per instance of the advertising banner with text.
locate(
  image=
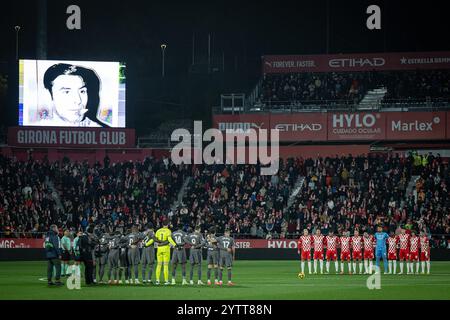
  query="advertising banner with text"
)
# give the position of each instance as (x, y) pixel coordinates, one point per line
(71, 137)
(345, 126)
(355, 62)
(420, 125)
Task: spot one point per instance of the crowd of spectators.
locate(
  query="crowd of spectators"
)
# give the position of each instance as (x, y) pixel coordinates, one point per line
(311, 87)
(317, 88)
(340, 193)
(359, 192)
(119, 194)
(26, 202)
(238, 197)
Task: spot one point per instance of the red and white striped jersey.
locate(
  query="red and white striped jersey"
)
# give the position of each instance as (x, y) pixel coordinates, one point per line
(305, 243)
(357, 243)
(345, 243)
(404, 241)
(318, 242)
(414, 244)
(368, 243)
(332, 243)
(392, 244)
(424, 244)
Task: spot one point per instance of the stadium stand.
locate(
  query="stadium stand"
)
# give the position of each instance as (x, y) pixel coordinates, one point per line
(347, 90)
(339, 193)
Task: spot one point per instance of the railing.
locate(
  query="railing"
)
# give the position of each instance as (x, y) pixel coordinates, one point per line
(338, 105)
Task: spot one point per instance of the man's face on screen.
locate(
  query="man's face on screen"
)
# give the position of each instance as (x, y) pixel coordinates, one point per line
(70, 97)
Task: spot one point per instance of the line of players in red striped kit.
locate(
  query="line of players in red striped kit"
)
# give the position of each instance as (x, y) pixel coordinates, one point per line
(405, 248)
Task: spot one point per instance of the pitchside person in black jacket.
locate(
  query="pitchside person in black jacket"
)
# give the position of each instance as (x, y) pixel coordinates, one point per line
(53, 254)
(87, 245)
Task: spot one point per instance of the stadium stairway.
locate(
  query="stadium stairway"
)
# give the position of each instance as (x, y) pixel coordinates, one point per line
(55, 194)
(181, 193)
(372, 99)
(295, 190)
(411, 185)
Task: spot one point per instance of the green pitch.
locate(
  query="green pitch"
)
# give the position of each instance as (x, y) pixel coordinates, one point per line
(253, 280)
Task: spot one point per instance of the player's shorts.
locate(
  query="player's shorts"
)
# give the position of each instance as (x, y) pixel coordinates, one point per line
(345, 256)
(77, 258)
(306, 255)
(123, 259)
(148, 256)
(113, 258)
(425, 256)
(225, 259)
(357, 255)
(195, 256)
(103, 259)
(414, 256)
(65, 256)
(318, 255)
(368, 255)
(392, 256)
(403, 254)
(212, 257)
(331, 255)
(179, 256)
(133, 256)
(163, 254)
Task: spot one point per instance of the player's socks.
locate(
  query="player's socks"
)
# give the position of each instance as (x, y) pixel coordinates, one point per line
(354, 267)
(401, 266)
(184, 282)
(158, 272)
(166, 272)
(417, 267)
(208, 275)
(315, 266)
(365, 267)
(336, 266)
(191, 282)
(328, 266)
(199, 271)
(423, 266)
(395, 267)
(390, 266)
(428, 267)
(303, 266)
(309, 267)
(63, 269)
(200, 282)
(321, 266)
(360, 267)
(370, 266)
(173, 281)
(191, 273)
(349, 267)
(342, 267)
(229, 275)
(150, 273)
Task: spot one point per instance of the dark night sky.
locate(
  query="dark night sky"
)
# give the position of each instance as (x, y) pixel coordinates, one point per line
(242, 31)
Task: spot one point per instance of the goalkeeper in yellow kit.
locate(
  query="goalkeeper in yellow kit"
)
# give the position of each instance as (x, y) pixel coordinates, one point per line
(163, 240)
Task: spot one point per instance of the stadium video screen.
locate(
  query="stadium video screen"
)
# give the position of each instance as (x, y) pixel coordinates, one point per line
(71, 93)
